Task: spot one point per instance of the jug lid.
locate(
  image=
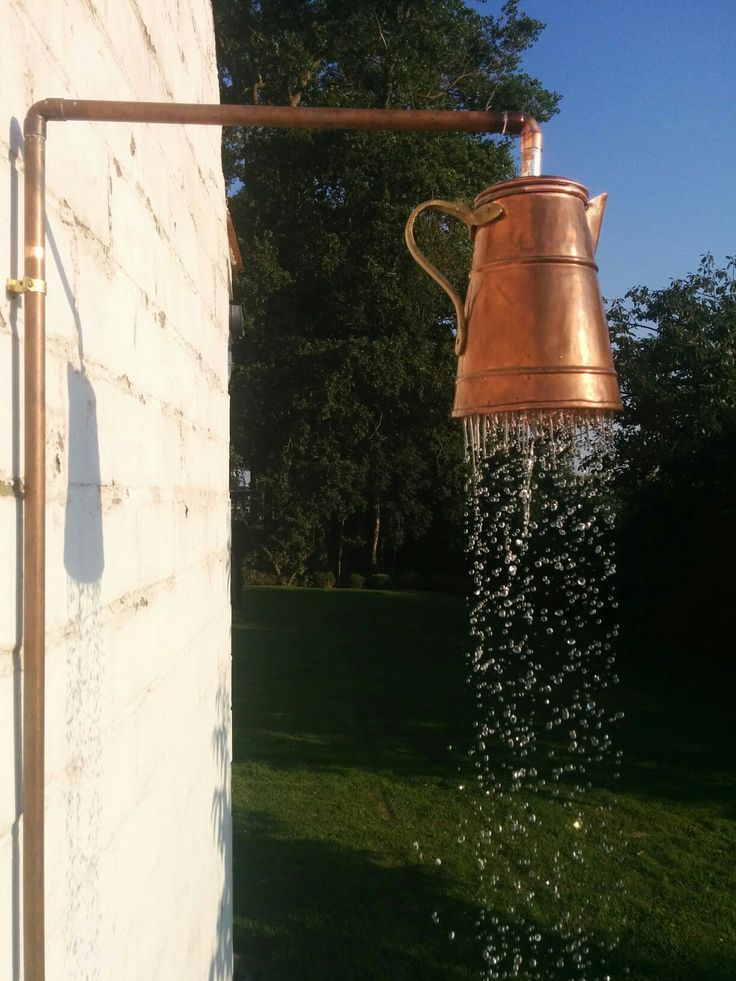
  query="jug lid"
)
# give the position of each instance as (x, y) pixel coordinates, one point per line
(532, 185)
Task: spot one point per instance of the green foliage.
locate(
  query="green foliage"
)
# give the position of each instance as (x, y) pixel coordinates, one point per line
(257, 578)
(676, 355)
(343, 377)
(379, 580)
(356, 581)
(324, 580)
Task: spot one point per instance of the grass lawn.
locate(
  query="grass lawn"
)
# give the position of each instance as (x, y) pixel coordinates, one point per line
(351, 724)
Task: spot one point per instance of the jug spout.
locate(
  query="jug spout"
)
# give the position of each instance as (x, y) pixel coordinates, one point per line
(594, 214)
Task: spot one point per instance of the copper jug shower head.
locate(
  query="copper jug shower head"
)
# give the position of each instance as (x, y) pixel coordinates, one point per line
(532, 334)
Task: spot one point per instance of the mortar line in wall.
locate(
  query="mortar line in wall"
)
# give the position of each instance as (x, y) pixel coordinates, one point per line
(115, 500)
(149, 43)
(112, 49)
(143, 199)
(114, 492)
(114, 153)
(156, 135)
(61, 204)
(123, 68)
(66, 351)
(195, 38)
(107, 844)
(58, 420)
(212, 319)
(35, 24)
(124, 602)
(131, 707)
(139, 190)
(128, 712)
(163, 966)
(193, 783)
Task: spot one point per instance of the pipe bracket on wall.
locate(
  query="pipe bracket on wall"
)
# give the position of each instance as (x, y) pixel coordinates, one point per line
(25, 285)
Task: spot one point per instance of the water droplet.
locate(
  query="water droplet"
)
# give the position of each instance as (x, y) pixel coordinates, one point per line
(539, 538)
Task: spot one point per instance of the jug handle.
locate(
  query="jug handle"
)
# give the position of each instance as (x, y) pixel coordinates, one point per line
(457, 209)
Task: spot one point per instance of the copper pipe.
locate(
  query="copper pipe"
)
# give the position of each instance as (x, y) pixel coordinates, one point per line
(34, 556)
(531, 145)
(33, 285)
(302, 117)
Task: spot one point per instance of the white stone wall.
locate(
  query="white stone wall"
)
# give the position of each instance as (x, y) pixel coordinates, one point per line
(138, 831)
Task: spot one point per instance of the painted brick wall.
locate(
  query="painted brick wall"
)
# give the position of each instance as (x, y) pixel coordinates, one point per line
(138, 834)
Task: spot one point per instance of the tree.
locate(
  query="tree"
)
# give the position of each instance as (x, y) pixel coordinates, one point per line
(676, 355)
(343, 377)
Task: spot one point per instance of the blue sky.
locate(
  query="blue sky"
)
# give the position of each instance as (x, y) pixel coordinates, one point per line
(648, 114)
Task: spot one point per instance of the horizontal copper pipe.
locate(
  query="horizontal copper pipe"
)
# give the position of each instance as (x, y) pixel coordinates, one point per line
(297, 117)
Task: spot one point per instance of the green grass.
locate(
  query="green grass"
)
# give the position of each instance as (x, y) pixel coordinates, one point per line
(345, 704)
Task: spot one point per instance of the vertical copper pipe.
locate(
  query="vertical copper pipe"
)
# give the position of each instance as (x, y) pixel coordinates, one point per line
(34, 552)
(531, 147)
(34, 600)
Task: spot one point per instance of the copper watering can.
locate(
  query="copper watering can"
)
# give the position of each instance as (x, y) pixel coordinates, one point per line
(532, 333)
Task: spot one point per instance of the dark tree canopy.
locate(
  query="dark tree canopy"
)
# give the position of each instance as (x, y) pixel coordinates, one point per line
(675, 351)
(343, 377)
(676, 354)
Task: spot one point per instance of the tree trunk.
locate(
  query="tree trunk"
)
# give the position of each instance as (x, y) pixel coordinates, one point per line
(340, 527)
(375, 534)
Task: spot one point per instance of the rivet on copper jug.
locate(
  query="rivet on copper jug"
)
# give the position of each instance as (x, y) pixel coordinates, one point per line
(532, 333)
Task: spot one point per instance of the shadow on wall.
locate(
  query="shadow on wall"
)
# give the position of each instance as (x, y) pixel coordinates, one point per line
(84, 561)
(221, 965)
(84, 556)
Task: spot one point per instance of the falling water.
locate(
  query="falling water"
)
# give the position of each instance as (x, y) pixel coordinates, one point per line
(539, 527)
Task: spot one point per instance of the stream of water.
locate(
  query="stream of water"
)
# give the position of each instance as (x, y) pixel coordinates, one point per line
(542, 620)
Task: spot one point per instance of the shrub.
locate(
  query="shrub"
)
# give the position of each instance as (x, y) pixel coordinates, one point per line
(324, 580)
(356, 581)
(379, 580)
(254, 577)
